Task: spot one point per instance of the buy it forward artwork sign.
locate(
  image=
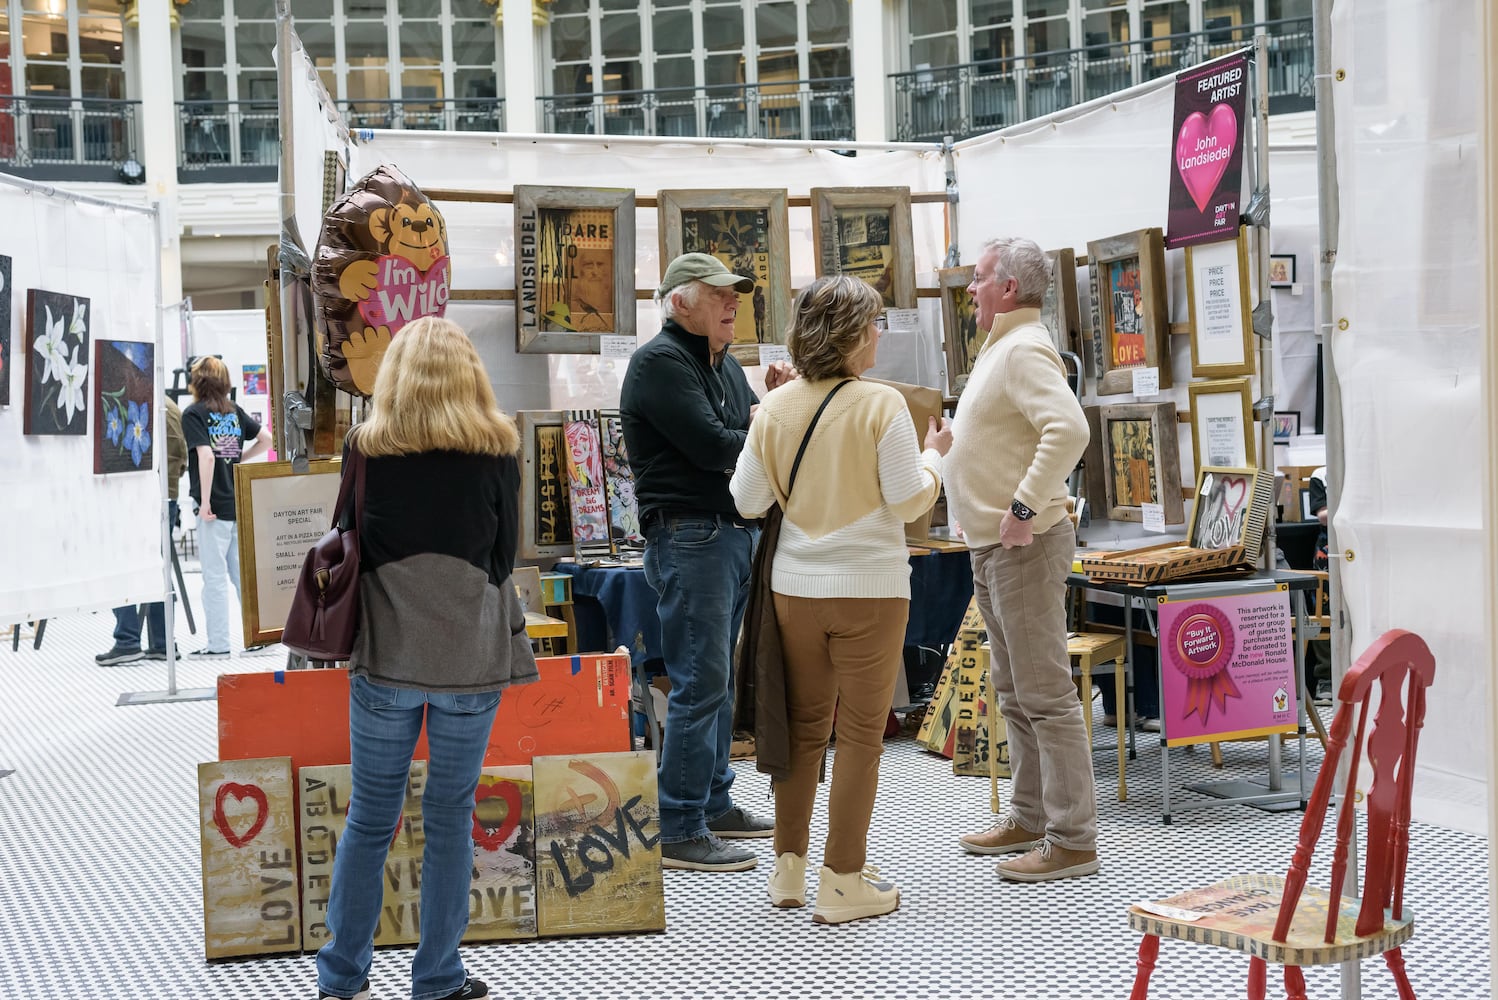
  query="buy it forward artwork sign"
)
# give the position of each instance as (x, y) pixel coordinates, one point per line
(1206, 175)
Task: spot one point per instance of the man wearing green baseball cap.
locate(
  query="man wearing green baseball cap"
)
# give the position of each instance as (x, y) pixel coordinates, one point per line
(686, 407)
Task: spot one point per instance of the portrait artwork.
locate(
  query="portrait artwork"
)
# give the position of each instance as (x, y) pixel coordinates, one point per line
(575, 267)
(575, 250)
(747, 230)
(590, 515)
(57, 369)
(124, 387)
(619, 483)
(255, 383)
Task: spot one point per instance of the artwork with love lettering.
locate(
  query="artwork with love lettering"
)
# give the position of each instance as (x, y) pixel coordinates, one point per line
(590, 507)
(57, 369)
(619, 481)
(124, 391)
(502, 899)
(1206, 174)
(545, 490)
(1130, 310)
(247, 827)
(575, 267)
(598, 857)
(1224, 502)
(381, 262)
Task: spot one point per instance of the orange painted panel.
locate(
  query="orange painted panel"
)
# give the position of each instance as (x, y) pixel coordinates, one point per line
(579, 705)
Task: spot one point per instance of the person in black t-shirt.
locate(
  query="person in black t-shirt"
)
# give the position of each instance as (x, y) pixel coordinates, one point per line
(216, 431)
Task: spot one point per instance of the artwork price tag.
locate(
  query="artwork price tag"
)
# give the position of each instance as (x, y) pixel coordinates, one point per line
(616, 346)
(771, 353)
(1154, 517)
(903, 320)
(1146, 381)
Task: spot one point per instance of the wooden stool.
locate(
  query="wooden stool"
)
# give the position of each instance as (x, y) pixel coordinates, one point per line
(1085, 650)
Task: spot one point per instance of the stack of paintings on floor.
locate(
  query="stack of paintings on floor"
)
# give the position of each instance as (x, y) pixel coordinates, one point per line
(959, 723)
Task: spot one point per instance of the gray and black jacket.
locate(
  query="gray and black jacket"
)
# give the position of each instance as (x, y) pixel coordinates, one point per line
(437, 540)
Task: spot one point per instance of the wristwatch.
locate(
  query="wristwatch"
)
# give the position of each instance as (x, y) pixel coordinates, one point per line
(1020, 511)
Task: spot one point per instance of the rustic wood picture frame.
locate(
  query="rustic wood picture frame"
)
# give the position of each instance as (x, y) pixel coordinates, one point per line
(844, 228)
(1147, 316)
(558, 241)
(1221, 317)
(1215, 400)
(545, 516)
(1061, 311)
(1121, 464)
(961, 338)
(767, 257)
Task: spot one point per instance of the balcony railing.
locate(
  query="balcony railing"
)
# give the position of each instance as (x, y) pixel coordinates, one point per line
(67, 138)
(472, 114)
(801, 109)
(978, 97)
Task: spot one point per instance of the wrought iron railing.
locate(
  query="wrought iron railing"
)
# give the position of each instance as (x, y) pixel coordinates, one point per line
(979, 97)
(217, 134)
(52, 133)
(799, 109)
(469, 114)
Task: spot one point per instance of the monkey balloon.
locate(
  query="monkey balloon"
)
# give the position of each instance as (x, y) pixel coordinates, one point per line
(382, 261)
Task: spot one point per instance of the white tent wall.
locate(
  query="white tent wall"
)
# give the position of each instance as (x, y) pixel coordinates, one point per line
(77, 541)
(1408, 298)
(482, 243)
(1293, 225)
(237, 336)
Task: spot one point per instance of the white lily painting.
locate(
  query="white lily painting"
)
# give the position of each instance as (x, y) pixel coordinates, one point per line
(57, 364)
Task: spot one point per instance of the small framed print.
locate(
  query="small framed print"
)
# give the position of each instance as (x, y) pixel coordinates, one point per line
(1286, 425)
(575, 268)
(545, 490)
(1217, 291)
(1061, 310)
(1133, 460)
(625, 531)
(959, 322)
(1225, 507)
(1130, 311)
(748, 230)
(1281, 270)
(866, 233)
(1222, 427)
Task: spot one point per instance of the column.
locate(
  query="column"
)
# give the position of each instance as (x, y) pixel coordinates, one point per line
(158, 132)
(520, 66)
(870, 59)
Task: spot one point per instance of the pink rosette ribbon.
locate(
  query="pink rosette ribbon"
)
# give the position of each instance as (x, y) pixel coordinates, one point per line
(1201, 649)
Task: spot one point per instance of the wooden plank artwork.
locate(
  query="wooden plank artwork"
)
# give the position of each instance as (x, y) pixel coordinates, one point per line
(502, 901)
(598, 857)
(935, 733)
(974, 742)
(1154, 563)
(248, 834)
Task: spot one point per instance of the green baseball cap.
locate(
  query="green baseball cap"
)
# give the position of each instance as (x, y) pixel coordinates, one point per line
(702, 267)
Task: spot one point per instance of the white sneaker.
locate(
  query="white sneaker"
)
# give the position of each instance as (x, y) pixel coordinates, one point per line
(841, 898)
(788, 881)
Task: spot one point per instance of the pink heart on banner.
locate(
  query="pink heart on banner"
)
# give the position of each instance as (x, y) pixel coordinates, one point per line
(1203, 149)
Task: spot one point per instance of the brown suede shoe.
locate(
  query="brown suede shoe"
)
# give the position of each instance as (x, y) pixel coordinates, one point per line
(1048, 862)
(1004, 837)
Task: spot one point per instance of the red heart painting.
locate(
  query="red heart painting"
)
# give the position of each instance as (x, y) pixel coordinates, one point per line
(262, 811)
(510, 793)
(1232, 502)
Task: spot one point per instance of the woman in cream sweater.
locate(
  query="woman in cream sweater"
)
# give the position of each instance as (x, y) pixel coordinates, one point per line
(841, 578)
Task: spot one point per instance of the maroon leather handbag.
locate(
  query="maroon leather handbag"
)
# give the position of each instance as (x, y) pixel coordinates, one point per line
(325, 608)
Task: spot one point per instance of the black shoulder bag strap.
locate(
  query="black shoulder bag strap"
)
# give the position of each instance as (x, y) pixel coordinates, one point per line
(796, 465)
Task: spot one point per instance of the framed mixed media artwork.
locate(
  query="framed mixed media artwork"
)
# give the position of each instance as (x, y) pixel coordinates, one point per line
(590, 507)
(1286, 425)
(124, 390)
(575, 267)
(1217, 289)
(5, 362)
(1134, 454)
(866, 233)
(619, 483)
(281, 515)
(545, 491)
(1130, 311)
(1222, 427)
(959, 320)
(1061, 310)
(1226, 509)
(748, 231)
(57, 355)
(1281, 270)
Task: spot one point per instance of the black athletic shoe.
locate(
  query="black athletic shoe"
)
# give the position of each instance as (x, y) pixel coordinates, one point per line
(363, 994)
(472, 989)
(118, 655)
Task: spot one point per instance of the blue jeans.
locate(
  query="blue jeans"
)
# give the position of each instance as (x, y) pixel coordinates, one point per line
(127, 627)
(699, 569)
(384, 723)
(218, 552)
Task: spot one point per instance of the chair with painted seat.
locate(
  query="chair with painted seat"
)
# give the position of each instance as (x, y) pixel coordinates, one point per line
(1280, 920)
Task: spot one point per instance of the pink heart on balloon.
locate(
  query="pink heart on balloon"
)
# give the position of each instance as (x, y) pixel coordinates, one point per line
(1203, 148)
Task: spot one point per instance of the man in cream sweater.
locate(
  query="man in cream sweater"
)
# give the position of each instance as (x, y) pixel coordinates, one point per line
(1018, 434)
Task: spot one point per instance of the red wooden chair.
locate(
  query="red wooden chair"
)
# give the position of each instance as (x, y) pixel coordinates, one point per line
(1280, 920)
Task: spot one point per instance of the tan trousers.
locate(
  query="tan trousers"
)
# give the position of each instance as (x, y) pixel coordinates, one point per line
(1021, 592)
(842, 654)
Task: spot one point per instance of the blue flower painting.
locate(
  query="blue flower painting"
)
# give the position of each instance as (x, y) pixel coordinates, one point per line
(125, 386)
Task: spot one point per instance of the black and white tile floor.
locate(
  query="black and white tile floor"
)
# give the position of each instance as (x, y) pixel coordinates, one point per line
(100, 893)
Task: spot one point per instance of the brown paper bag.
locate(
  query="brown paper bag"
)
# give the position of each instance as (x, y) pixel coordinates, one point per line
(924, 403)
